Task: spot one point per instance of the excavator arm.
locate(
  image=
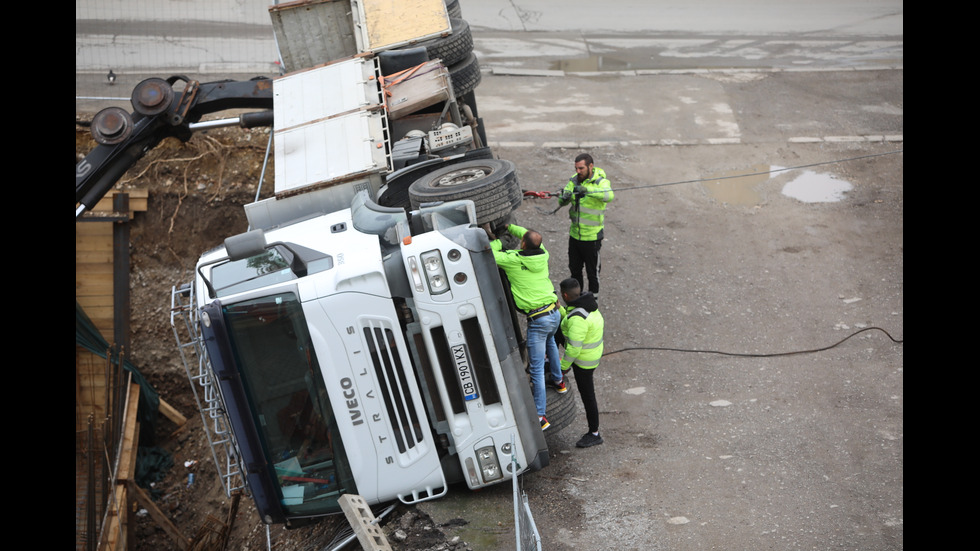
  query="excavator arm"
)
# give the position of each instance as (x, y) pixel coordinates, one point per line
(160, 110)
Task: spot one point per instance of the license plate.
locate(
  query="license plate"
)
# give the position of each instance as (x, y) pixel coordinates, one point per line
(464, 372)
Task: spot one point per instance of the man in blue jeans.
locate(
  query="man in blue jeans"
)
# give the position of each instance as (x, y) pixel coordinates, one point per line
(534, 294)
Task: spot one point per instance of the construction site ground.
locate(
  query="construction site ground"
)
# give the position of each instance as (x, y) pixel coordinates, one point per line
(736, 412)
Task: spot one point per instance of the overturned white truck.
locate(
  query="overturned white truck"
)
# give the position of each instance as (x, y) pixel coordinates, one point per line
(359, 338)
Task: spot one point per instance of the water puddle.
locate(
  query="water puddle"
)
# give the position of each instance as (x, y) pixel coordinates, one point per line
(738, 187)
(810, 187)
(744, 187)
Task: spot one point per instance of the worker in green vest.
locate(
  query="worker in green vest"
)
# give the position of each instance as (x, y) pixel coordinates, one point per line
(534, 295)
(587, 192)
(582, 327)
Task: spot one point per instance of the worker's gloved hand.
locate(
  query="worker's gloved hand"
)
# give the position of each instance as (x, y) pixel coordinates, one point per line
(565, 195)
(580, 191)
(490, 234)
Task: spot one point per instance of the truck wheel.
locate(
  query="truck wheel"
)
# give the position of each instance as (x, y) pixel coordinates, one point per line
(452, 7)
(394, 61)
(395, 192)
(452, 48)
(465, 75)
(561, 409)
(490, 183)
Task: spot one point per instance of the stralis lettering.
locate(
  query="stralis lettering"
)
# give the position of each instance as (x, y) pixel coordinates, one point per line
(352, 405)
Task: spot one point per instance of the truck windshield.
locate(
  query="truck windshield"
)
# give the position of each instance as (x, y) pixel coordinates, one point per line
(289, 402)
(270, 267)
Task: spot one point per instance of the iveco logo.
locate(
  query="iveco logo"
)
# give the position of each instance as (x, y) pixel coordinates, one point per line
(352, 406)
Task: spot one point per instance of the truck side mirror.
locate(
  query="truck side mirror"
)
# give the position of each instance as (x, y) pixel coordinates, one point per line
(245, 245)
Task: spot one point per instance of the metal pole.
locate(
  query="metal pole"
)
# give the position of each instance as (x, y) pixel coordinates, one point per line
(353, 536)
(513, 478)
(90, 508)
(265, 162)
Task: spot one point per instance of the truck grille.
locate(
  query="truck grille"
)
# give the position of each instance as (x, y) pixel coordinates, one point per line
(481, 365)
(395, 391)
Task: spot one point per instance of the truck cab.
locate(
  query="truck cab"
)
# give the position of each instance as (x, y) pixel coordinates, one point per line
(364, 351)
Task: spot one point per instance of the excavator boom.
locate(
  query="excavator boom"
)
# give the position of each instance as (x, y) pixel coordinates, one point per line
(161, 111)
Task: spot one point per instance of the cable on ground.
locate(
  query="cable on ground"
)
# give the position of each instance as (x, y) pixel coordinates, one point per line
(744, 355)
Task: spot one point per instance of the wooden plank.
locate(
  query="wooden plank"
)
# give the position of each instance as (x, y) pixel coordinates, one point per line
(130, 437)
(111, 536)
(92, 243)
(90, 382)
(158, 516)
(138, 199)
(99, 314)
(99, 285)
(97, 308)
(89, 388)
(171, 413)
(391, 23)
(93, 273)
(93, 257)
(101, 317)
(93, 392)
(90, 230)
(93, 268)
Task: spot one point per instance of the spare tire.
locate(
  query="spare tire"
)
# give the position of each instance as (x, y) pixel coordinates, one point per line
(395, 191)
(452, 7)
(561, 408)
(452, 48)
(490, 183)
(465, 75)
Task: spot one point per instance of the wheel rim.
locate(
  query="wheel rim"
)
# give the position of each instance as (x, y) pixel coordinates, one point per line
(458, 177)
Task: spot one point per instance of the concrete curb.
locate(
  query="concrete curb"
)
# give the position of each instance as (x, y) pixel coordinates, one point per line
(891, 138)
(509, 71)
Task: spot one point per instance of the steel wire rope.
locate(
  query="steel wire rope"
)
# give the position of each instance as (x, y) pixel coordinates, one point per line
(772, 171)
(747, 174)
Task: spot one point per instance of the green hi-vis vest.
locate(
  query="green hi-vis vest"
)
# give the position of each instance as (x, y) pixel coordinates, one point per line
(588, 213)
(583, 337)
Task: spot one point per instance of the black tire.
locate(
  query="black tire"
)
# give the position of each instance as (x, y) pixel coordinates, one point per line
(454, 10)
(499, 227)
(452, 48)
(465, 75)
(395, 192)
(562, 408)
(394, 61)
(490, 183)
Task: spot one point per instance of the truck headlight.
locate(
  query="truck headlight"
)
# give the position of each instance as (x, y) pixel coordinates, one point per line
(435, 273)
(489, 466)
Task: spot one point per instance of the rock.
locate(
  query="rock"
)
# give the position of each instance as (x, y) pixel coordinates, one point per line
(407, 520)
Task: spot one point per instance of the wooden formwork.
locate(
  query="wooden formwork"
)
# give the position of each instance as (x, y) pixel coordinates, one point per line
(106, 425)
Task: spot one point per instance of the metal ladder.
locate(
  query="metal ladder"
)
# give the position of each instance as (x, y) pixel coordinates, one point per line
(224, 449)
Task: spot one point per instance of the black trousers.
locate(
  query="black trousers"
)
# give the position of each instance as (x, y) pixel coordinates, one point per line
(585, 253)
(586, 389)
